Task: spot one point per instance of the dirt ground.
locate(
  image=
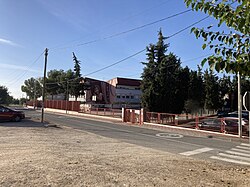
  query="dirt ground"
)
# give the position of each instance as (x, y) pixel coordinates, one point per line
(32, 155)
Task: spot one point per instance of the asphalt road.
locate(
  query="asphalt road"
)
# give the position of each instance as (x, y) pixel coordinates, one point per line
(218, 150)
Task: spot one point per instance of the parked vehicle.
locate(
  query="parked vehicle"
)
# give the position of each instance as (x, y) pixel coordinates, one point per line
(234, 123)
(214, 124)
(7, 114)
(245, 114)
(226, 124)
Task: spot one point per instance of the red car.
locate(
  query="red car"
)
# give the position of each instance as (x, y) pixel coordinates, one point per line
(7, 114)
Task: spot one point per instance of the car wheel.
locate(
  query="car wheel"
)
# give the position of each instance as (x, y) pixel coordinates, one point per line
(17, 118)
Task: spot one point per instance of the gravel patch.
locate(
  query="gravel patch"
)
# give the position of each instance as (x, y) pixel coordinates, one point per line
(39, 156)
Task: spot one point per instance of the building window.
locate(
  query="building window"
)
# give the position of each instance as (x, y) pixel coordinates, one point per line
(132, 97)
(123, 96)
(118, 96)
(127, 96)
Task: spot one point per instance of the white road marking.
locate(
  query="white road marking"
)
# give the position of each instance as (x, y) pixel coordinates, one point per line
(230, 160)
(237, 153)
(168, 135)
(196, 151)
(235, 157)
(243, 151)
(241, 147)
(245, 144)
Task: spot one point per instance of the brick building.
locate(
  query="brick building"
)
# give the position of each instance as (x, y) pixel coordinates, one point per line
(116, 93)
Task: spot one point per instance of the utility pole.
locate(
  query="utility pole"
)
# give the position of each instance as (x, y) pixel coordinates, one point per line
(34, 102)
(44, 83)
(67, 96)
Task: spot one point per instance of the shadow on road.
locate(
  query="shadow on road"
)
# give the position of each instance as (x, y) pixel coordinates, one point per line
(23, 123)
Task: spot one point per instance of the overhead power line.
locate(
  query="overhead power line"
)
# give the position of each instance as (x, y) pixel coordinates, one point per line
(106, 67)
(128, 31)
(195, 23)
(178, 32)
(116, 63)
(196, 58)
(113, 24)
(185, 61)
(19, 76)
(137, 28)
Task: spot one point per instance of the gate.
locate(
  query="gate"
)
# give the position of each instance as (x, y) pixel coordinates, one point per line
(132, 116)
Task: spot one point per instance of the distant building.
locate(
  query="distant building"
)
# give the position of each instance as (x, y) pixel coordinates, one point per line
(116, 93)
(126, 91)
(56, 97)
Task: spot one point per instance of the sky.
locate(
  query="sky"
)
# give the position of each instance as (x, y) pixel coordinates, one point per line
(99, 32)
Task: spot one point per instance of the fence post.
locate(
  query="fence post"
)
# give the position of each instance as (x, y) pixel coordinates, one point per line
(123, 115)
(133, 116)
(222, 126)
(196, 122)
(176, 119)
(142, 116)
(159, 118)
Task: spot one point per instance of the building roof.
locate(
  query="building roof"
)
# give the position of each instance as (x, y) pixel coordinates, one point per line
(128, 82)
(119, 81)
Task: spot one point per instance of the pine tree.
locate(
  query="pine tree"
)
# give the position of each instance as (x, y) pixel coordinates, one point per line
(160, 87)
(195, 89)
(225, 91)
(75, 85)
(212, 99)
(181, 94)
(148, 80)
(168, 78)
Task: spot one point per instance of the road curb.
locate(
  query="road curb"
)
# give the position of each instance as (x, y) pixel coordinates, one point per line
(196, 132)
(188, 131)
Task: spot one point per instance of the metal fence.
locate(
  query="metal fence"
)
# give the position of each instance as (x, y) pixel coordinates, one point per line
(116, 113)
(63, 105)
(160, 118)
(208, 123)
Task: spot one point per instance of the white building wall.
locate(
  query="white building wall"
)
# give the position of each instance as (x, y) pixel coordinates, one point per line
(121, 95)
(127, 96)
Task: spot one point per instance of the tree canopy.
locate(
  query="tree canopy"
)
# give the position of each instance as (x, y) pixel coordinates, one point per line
(5, 98)
(231, 50)
(168, 87)
(55, 82)
(163, 79)
(32, 88)
(75, 84)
